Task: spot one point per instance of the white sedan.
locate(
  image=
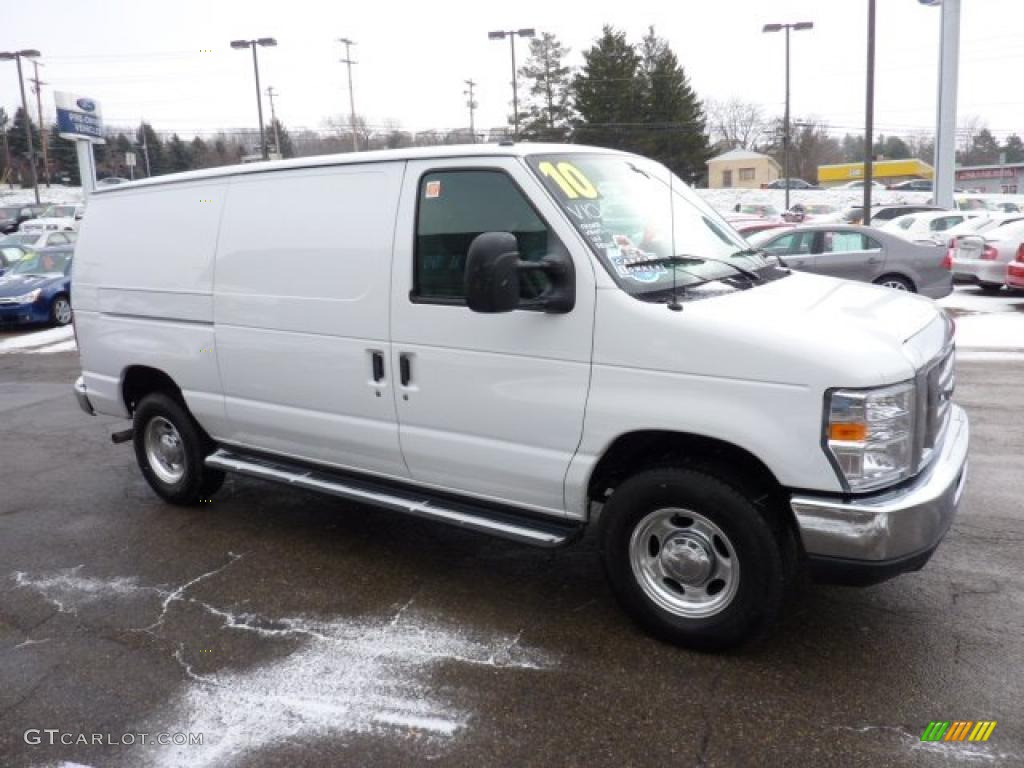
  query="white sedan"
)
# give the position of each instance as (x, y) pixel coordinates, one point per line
(929, 226)
(55, 218)
(982, 259)
(36, 240)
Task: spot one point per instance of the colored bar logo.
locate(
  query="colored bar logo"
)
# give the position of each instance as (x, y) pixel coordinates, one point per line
(958, 730)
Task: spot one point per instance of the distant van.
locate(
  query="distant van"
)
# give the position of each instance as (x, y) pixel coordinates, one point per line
(526, 340)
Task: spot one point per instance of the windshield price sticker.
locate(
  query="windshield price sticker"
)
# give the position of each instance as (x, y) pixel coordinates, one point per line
(572, 182)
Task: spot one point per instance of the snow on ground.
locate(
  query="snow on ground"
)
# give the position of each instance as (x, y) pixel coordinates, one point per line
(40, 342)
(987, 322)
(723, 200)
(54, 194)
(333, 676)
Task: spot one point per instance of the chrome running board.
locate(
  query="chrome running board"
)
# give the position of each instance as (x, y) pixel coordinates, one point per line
(502, 522)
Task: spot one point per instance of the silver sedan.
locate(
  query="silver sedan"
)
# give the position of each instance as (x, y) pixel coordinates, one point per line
(860, 253)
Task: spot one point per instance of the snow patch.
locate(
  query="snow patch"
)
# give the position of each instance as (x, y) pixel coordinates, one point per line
(64, 346)
(66, 589)
(37, 339)
(997, 331)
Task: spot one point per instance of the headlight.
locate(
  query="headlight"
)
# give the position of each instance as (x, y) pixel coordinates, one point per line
(870, 434)
(27, 298)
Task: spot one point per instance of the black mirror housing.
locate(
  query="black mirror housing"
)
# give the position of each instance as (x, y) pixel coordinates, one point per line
(493, 267)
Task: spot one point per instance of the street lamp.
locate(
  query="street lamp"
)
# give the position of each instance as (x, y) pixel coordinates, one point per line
(265, 42)
(796, 27)
(27, 53)
(512, 34)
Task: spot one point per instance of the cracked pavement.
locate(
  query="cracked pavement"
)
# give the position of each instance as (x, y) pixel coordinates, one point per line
(295, 629)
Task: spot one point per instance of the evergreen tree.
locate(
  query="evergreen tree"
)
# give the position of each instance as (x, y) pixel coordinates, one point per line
(200, 154)
(286, 149)
(178, 158)
(1014, 149)
(546, 110)
(674, 132)
(16, 137)
(5, 158)
(63, 155)
(146, 137)
(607, 92)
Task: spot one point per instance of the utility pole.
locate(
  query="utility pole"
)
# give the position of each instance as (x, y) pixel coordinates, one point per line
(145, 148)
(472, 107)
(351, 94)
(273, 120)
(42, 126)
(869, 118)
(17, 56)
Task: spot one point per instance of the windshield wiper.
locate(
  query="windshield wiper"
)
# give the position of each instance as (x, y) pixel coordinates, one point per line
(683, 260)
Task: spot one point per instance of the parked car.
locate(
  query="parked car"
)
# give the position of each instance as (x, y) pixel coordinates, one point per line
(800, 213)
(855, 213)
(982, 259)
(110, 181)
(36, 239)
(859, 184)
(748, 225)
(761, 210)
(37, 289)
(929, 226)
(977, 225)
(913, 185)
(11, 254)
(864, 254)
(492, 337)
(1015, 272)
(793, 184)
(11, 216)
(54, 218)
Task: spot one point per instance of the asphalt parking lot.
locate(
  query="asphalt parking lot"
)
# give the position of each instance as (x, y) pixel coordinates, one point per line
(289, 629)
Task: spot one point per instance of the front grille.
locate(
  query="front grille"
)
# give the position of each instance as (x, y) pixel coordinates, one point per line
(936, 387)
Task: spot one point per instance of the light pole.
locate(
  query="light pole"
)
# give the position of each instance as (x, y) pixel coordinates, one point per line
(512, 34)
(796, 27)
(351, 94)
(265, 42)
(869, 119)
(27, 53)
(945, 123)
(472, 107)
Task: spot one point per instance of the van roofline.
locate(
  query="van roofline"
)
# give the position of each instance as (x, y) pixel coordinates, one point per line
(503, 149)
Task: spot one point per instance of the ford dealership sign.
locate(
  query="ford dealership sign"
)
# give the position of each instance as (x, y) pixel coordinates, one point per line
(78, 117)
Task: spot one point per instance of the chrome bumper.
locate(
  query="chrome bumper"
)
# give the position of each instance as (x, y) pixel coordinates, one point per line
(83, 397)
(891, 526)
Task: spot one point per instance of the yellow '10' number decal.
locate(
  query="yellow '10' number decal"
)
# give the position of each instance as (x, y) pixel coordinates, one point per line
(569, 179)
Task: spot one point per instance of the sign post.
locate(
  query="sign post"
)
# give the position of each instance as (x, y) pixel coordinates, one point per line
(80, 120)
(129, 160)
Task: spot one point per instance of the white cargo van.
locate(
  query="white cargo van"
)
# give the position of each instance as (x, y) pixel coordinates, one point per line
(524, 340)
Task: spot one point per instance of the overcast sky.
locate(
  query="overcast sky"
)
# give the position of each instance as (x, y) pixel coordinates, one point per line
(144, 59)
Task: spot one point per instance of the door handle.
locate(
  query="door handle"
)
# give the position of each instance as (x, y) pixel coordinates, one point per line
(378, 366)
(404, 369)
(874, 260)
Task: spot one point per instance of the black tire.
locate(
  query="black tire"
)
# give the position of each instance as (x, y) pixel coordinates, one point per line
(759, 552)
(196, 482)
(897, 283)
(60, 310)
(990, 289)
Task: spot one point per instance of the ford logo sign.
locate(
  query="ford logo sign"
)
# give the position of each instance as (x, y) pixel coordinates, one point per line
(87, 104)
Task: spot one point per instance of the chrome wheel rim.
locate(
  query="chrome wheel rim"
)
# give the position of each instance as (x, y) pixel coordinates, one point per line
(62, 311)
(896, 285)
(165, 451)
(684, 563)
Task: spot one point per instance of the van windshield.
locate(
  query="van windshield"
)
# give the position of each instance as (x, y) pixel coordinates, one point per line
(630, 209)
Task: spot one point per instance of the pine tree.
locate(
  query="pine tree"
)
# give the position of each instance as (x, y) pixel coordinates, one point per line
(286, 149)
(674, 117)
(1014, 149)
(607, 92)
(547, 109)
(199, 152)
(63, 155)
(178, 158)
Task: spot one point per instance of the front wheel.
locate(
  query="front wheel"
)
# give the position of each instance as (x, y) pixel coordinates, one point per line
(60, 310)
(171, 451)
(691, 558)
(990, 288)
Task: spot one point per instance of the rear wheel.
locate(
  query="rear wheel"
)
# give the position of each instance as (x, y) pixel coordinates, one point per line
(171, 450)
(896, 282)
(60, 310)
(692, 559)
(990, 288)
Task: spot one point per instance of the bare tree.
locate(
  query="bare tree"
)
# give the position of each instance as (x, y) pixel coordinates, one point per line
(735, 123)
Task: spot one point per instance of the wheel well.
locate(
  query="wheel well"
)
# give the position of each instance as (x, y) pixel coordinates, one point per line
(640, 450)
(141, 380)
(906, 279)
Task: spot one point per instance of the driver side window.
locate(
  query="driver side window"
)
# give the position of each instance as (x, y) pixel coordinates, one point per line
(456, 206)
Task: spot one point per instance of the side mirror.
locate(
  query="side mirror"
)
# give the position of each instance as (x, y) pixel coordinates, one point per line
(492, 277)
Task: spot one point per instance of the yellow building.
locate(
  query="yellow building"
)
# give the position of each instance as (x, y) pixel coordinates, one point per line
(884, 171)
(743, 169)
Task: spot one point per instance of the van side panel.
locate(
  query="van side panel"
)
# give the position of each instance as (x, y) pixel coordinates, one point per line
(301, 306)
(142, 291)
